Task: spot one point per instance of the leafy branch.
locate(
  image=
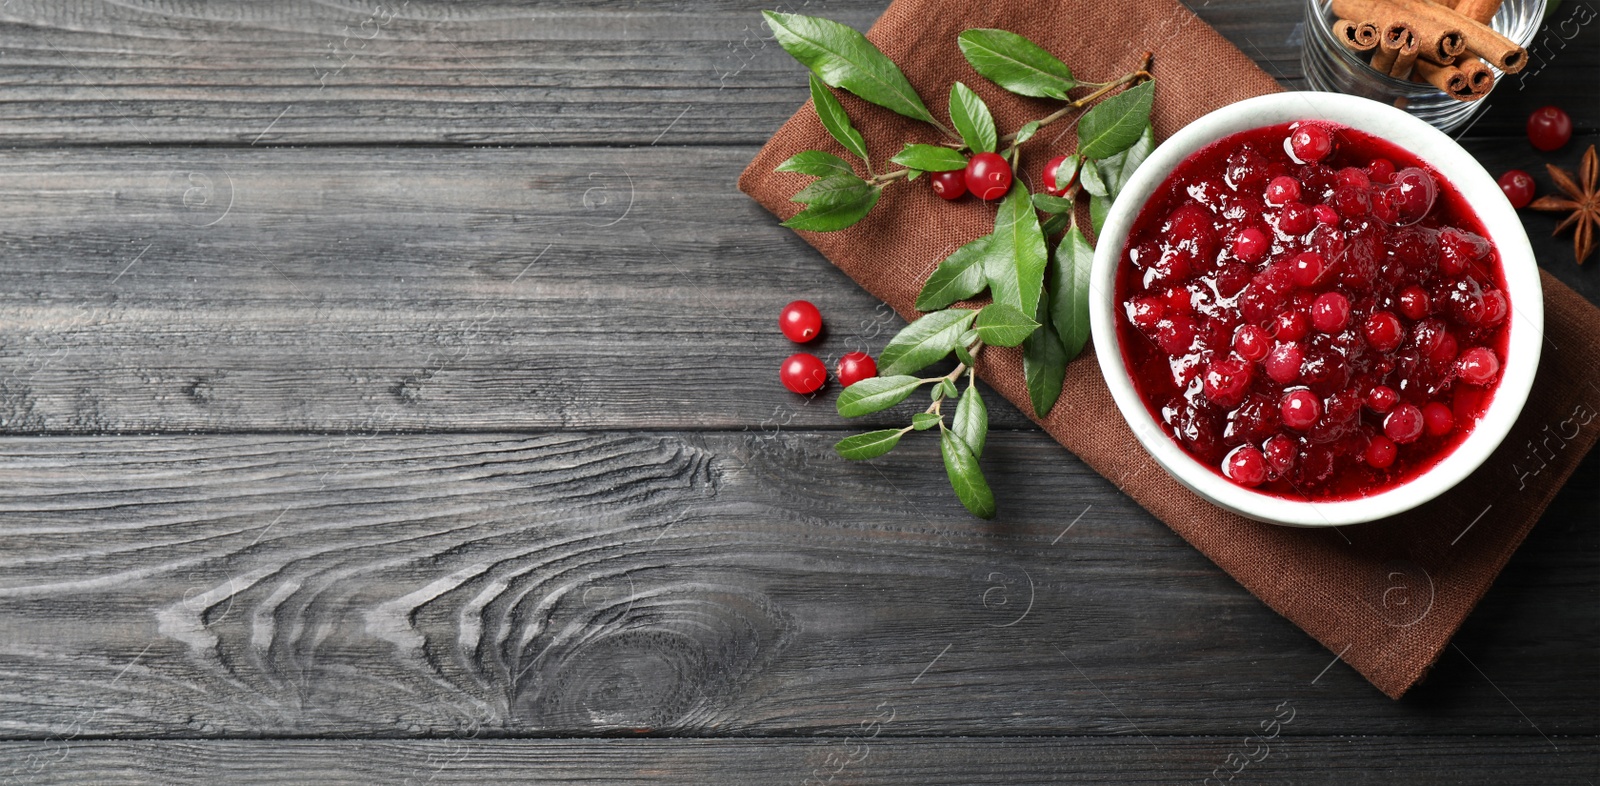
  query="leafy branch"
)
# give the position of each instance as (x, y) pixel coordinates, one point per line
(1038, 288)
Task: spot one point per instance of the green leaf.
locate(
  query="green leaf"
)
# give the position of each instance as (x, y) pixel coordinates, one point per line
(1053, 204)
(915, 173)
(924, 341)
(833, 118)
(875, 394)
(965, 476)
(1026, 132)
(845, 59)
(1069, 307)
(1015, 262)
(922, 421)
(817, 163)
(1054, 225)
(971, 422)
(1099, 208)
(1113, 125)
(963, 355)
(820, 217)
(1016, 64)
(869, 445)
(833, 190)
(930, 158)
(972, 119)
(1118, 169)
(947, 389)
(1044, 363)
(1002, 325)
(958, 277)
(1089, 179)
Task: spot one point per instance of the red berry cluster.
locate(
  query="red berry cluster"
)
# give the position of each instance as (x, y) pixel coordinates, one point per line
(987, 176)
(1309, 311)
(1549, 128)
(804, 372)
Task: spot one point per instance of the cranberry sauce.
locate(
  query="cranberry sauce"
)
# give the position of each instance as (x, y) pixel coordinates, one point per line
(1312, 311)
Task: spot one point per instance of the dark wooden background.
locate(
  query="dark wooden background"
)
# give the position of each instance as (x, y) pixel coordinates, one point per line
(388, 394)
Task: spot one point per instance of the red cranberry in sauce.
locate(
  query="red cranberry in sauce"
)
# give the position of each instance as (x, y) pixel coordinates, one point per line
(1478, 366)
(1251, 342)
(1414, 302)
(1311, 142)
(1295, 219)
(1283, 363)
(1227, 380)
(1325, 214)
(1300, 409)
(1437, 419)
(1245, 466)
(1380, 170)
(1306, 268)
(1382, 398)
(1381, 452)
(1404, 424)
(1282, 190)
(1331, 312)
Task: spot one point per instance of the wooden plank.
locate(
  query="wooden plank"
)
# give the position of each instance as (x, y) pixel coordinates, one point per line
(686, 584)
(863, 759)
(409, 71)
(377, 290)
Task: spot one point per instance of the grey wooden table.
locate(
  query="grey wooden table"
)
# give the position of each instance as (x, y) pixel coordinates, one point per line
(388, 395)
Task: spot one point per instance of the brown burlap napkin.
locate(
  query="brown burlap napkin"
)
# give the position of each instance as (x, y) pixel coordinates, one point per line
(1385, 596)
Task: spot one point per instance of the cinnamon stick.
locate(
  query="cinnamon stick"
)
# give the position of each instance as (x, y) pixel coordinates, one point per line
(1356, 36)
(1478, 10)
(1394, 37)
(1479, 78)
(1437, 38)
(1481, 39)
(1449, 79)
(1405, 58)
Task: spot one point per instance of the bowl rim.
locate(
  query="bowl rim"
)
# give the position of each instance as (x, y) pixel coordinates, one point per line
(1439, 151)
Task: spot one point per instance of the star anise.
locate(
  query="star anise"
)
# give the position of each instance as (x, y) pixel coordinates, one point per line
(1584, 204)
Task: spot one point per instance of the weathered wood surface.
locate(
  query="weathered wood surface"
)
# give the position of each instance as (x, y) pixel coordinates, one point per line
(450, 443)
(410, 71)
(864, 760)
(687, 584)
(374, 290)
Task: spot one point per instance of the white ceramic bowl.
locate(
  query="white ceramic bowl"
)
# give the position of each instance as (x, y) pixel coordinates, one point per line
(1428, 144)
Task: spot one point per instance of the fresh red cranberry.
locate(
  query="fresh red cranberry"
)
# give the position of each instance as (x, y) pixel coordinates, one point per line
(1311, 142)
(950, 185)
(1549, 128)
(1227, 380)
(1245, 466)
(1056, 182)
(988, 176)
(1352, 202)
(1283, 363)
(1295, 219)
(1291, 326)
(1306, 268)
(1478, 366)
(1251, 244)
(1325, 214)
(1282, 190)
(800, 321)
(1382, 398)
(1381, 452)
(1404, 424)
(1251, 343)
(1383, 331)
(856, 366)
(1330, 312)
(1518, 187)
(1280, 451)
(1495, 307)
(1437, 420)
(1380, 170)
(1352, 177)
(803, 373)
(1301, 409)
(1415, 303)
